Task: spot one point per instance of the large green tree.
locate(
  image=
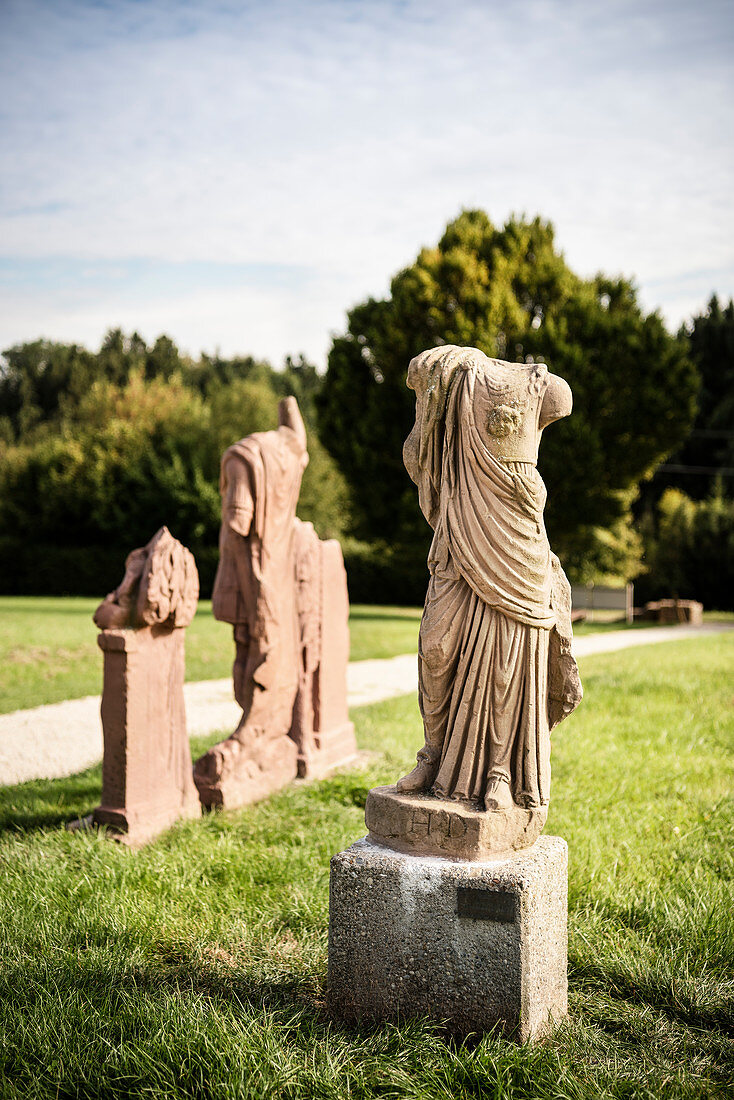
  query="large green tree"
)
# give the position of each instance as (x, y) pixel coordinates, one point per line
(510, 292)
(709, 449)
(690, 550)
(42, 381)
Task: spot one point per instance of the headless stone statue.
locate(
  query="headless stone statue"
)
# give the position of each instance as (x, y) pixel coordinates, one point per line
(255, 591)
(496, 672)
(285, 593)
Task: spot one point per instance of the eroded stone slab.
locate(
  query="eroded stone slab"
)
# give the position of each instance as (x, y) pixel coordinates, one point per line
(147, 781)
(321, 727)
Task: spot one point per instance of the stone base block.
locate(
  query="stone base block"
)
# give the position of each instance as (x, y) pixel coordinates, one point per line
(423, 825)
(136, 827)
(471, 945)
(333, 748)
(146, 771)
(235, 773)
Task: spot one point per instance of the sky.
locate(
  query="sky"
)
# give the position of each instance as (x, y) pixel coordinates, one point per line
(239, 174)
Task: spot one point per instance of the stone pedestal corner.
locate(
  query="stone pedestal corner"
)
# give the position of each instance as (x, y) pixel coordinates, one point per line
(472, 945)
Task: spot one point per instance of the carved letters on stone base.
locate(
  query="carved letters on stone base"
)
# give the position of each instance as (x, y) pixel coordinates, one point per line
(419, 824)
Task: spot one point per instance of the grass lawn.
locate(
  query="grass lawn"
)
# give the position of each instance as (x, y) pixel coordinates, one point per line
(48, 646)
(196, 967)
(602, 623)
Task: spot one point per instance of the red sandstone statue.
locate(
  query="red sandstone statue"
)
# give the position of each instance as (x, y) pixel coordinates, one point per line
(278, 640)
(146, 772)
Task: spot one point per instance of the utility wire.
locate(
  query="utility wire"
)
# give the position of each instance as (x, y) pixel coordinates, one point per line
(711, 471)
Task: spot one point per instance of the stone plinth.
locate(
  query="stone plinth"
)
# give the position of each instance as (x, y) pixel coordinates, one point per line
(422, 825)
(236, 773)
(147, 782)
(321, 726)
(474, 945)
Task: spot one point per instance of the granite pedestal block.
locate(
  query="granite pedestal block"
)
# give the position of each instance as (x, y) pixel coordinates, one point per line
(472, 945)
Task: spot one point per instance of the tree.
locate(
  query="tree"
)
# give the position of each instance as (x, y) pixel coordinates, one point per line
(137, 445)
(41, 381)
(37, 378)
(510, 293)
(690, 549)
(709, 448)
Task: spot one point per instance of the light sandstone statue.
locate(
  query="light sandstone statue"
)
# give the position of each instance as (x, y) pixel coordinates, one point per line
(256, 590)
(496, 672)
(146, 773)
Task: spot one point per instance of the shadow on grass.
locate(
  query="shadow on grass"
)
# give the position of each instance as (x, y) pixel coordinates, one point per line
(44, 803)
(294, 1004)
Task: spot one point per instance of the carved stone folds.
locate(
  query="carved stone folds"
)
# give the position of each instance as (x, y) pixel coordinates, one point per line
(284, 591)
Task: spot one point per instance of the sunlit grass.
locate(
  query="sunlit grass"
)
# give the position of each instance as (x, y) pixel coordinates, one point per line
(48, 646)
(196, 967)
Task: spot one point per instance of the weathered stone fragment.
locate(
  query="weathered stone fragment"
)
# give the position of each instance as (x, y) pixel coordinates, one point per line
(321, 727)
(424, 825)
(284, 592)
(146, 772)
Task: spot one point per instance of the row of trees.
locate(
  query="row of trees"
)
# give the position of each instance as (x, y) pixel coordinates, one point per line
(509, 292)
(98, 449)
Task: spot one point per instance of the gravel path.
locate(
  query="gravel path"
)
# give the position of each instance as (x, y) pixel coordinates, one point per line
(64, 738)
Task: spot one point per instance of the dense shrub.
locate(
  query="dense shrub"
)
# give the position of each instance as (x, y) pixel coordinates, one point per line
(95, 472)
(690, 550)
(381, 574)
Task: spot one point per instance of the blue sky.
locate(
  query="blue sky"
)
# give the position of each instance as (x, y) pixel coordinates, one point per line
(240, 174)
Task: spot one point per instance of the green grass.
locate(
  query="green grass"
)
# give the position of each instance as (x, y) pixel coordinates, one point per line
(48, 646)
(602, 622)
(383, 631)
(196, 967)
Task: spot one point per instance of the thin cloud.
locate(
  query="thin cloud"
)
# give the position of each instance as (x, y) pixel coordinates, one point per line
(337, 138)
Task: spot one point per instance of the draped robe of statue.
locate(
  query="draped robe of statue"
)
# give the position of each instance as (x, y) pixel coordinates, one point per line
(495, 666)
(254, 588)
(255, 591)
